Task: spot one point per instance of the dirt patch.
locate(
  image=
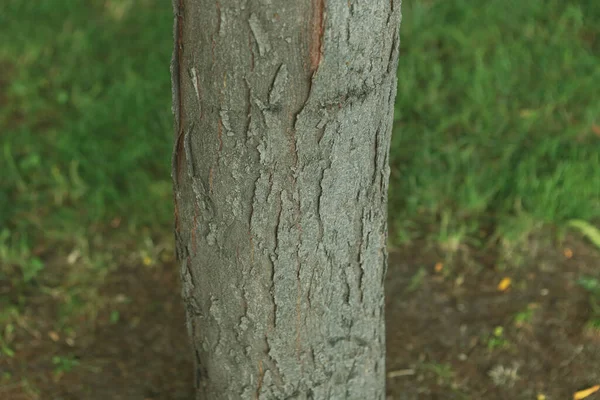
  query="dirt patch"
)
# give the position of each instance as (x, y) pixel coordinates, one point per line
(457, 336)
(137, 348)
(451, 334)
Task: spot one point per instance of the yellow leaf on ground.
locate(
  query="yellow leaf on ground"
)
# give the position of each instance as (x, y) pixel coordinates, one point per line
(504, 284)
(568, 253)
(438, 266)
(582, 394)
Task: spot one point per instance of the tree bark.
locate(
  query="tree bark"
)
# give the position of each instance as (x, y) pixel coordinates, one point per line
(283, 118)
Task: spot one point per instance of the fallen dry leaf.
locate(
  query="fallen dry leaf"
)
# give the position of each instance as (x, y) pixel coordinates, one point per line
(400, 372)
(71, 258)
(582, 394)
(504, 284)
(568, 253)
(438, 267)
(596, 129)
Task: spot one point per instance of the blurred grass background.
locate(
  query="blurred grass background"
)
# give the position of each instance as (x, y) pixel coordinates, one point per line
(497, 131)
(498, 117)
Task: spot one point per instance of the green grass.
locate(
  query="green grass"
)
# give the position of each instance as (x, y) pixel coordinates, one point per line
(494, 133)
(495, 113)
(85, 116)
(86, 132)
(592, 286)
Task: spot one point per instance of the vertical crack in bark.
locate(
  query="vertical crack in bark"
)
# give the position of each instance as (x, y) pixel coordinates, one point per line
(251, 51)
(278, 86)
(393, 52)
(272, 291)
(315, 50)
(275, 252)
(261, 374)
(189, 282)
(376, 156)
(194, 76)
(384, 178)
(198, 369)
(248, 109)
(298, 294)
(278, 223)
(293, 149)
(210, 180)
(176, 71)
(309, 290)
(251, 247)
(270, 361)
(347, 288)
(244, 287)
(252, 201)
(175, 162)
(321, 131)
(319, 201)
(219, 16)
(383, 254)
(187, 148)
(194, 227)
(220, 135)
(361, 262)
(212, 169)
(348, 20)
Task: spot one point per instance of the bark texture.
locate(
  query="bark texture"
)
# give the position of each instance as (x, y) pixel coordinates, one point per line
(283, 116)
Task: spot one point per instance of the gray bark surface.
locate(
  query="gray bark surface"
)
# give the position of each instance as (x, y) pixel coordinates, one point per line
(284, 114)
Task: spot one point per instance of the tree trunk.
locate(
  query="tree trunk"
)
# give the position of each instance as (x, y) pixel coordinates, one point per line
(283, 116)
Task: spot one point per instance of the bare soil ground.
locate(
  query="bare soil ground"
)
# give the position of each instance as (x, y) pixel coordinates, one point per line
(460, 337)
(451, 333)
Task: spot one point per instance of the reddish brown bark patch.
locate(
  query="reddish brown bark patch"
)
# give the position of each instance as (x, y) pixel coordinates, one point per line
(316, 42)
